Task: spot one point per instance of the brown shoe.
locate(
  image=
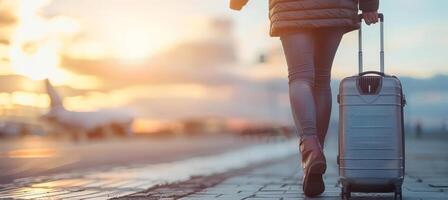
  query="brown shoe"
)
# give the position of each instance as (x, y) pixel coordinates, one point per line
(313, 164)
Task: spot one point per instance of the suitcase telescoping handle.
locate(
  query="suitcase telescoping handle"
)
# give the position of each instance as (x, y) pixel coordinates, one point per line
(360, 59)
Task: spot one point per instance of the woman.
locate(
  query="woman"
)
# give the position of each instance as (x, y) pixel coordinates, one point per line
(310, 32)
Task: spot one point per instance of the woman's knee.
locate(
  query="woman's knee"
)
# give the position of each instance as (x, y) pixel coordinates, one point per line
(302, 71)
(304, 77)
(322, 82)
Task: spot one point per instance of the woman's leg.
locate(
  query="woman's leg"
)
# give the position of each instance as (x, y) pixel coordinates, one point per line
(299, 52)
(326, 45)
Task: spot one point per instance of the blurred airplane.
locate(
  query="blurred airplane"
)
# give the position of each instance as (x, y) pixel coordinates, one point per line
(94, 124)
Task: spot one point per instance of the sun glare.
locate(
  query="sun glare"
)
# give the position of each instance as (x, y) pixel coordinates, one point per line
(133, 44)
(37, 41)
(30, 99)
(36, 65)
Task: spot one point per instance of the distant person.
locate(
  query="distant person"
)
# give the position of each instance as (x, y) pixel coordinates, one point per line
(418, 129)
(443, 128)
(310, 31)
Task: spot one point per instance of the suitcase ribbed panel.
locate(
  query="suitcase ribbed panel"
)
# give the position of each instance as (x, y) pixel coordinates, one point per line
(369, 84)
(370, 131)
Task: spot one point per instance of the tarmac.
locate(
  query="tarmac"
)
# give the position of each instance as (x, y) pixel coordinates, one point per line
(276, 175)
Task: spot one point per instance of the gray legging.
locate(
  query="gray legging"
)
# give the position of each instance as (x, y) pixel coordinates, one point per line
(309, 55)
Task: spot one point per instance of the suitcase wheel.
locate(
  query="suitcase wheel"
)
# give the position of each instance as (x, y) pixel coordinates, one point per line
(345, 193)
(398, 195)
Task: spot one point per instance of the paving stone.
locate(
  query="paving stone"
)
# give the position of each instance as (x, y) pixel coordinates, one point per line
(79, 194)
(263, 198)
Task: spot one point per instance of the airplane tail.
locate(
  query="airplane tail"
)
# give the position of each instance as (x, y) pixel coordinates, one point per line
(55, 99)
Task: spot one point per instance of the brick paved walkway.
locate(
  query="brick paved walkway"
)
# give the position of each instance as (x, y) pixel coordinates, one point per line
(427, 178)
(274, 175)
(105, 183)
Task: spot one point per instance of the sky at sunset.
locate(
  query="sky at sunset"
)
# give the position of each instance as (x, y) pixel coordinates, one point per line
(166, 59)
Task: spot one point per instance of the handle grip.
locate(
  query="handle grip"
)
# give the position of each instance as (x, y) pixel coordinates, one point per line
(380, 16)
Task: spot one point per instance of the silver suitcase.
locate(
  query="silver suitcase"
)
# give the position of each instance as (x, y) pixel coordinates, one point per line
(371, 133)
